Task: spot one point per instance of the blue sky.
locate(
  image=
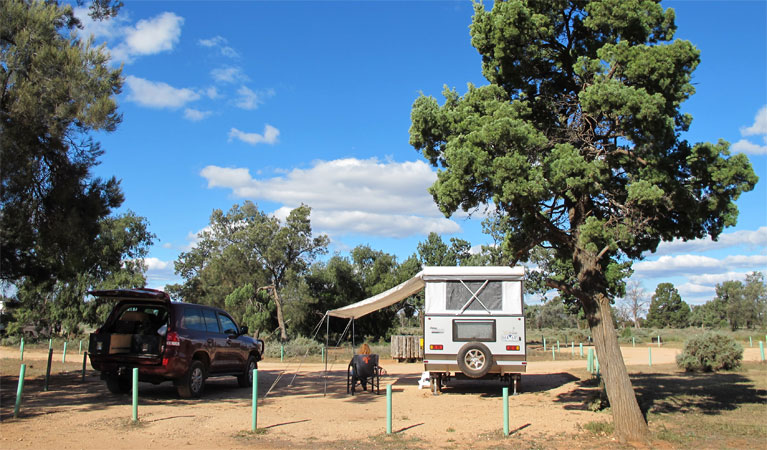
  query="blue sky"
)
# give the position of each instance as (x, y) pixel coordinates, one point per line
(289, 102)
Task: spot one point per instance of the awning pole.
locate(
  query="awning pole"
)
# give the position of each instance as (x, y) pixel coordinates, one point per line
(327, 356)
(353, 345)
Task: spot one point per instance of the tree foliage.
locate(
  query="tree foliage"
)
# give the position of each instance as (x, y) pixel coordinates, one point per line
(736, 305)
(246, 246)
(667, 309)
(577, 142)
(61, 305)
(55, 90)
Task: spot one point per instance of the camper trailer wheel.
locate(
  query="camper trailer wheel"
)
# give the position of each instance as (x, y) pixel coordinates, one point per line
(475, 360)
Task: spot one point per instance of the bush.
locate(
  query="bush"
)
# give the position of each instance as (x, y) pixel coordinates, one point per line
(297, 347)
(710, 352)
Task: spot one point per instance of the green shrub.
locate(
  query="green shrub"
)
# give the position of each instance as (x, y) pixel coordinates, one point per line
(710, 352)
(298, 346)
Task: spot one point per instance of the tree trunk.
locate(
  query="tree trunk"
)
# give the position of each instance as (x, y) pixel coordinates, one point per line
(630, 424)
(280, 318)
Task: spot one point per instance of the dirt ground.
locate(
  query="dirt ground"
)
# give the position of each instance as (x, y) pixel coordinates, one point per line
(298, 407)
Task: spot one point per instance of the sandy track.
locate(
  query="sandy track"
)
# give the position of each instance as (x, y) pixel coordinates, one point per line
(303, 409)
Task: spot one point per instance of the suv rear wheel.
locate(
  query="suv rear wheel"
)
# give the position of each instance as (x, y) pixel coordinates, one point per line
(192, 383)
(117, 384)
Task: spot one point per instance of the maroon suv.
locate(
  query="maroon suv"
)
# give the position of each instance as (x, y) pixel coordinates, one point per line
(170, 341)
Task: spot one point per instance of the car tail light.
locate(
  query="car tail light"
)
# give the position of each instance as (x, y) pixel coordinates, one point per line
(435, 347)
(165, 361)
(172, 339)
(512, 348)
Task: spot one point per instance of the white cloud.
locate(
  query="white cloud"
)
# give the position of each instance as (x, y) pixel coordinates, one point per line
(746, 238)
(219, 42)
(269, 137)
(249, 99)
(759, 126)
(371, 223)
(712, 279)
(749, 147)
(212, 42)
(149, 37)
(228, 74)
(668, 266)
(348, 195)
(107, 29)
(195, 115)
(212, 93)
(156, 94)
(159, 271)
(156, 264)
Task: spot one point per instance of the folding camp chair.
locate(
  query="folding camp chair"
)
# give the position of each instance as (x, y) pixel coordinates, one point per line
(363, 368)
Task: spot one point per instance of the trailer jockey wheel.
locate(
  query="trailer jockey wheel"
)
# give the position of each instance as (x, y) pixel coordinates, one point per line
(435, 383)
(475, 360)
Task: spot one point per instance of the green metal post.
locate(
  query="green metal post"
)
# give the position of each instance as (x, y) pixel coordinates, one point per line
(553, 357)
(48, 370)
(64, 355)
(19, 390)
(80, 352)
(50, 343)
(581, 346)
(649, 355)
(761, 349)
(388, 409)
(659, 341)
(135, 394)
(282, 352)
(557, 344)
(505, 411)
(590, 363)
(633, 341)
(254, 416)
(750, 342)
(21, 350)
(544, 344)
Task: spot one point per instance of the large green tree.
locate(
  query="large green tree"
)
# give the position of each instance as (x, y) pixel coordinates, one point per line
(246, 246)
(577, 142)
(667, 309)
(60, 305)
(55, 90)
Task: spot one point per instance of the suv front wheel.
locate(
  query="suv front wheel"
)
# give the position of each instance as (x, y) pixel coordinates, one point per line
(246, 379)
(192, 383)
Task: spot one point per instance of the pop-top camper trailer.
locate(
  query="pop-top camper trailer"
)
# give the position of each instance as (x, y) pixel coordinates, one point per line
(474, 321)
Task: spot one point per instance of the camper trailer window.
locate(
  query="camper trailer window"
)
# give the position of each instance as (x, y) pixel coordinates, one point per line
(474, 330)
(475, 294)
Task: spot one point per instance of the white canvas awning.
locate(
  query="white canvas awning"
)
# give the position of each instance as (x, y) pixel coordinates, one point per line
(382, 300)
(415, 284)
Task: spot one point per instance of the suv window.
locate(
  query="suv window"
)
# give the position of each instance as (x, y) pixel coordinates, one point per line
(228, 324)
(193, 319)
(210, 321)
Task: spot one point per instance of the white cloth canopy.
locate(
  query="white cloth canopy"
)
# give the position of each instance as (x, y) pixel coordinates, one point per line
(415, 284)
(382, 300)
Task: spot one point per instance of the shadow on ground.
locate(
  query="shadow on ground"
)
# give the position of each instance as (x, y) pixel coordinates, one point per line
(678, 392)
